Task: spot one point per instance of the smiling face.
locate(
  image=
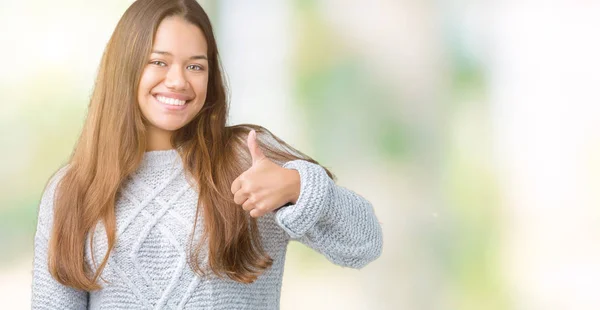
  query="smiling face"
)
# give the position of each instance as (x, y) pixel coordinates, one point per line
(173, 84)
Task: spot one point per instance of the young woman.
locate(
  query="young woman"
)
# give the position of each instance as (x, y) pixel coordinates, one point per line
(164, 206)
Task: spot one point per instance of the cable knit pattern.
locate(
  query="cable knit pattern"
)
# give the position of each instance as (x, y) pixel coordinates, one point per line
(155, 208)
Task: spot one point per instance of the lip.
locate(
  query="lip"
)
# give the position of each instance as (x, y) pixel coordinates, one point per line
(172, 95)
(171, 107)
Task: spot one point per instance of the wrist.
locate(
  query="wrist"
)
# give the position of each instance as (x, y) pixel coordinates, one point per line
(293, 185)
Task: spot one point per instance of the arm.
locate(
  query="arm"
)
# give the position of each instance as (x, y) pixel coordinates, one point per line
(331, 219)
(46, 292)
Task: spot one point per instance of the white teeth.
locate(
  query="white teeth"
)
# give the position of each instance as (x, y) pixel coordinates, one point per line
(170, 101)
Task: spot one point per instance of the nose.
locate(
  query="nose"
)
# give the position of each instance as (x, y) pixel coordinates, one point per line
(175, 78)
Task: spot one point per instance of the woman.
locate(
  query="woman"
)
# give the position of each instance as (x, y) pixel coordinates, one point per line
(164, 206)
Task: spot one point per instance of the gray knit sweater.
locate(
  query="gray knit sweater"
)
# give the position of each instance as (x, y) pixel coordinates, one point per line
(148, 268)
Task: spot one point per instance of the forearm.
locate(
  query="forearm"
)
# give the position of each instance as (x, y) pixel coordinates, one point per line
(46, 292)
(331, 219)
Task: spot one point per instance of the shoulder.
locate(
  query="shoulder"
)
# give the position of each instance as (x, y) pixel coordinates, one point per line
(241, 131)
(272, 146)
(46, 206)
(53, 181)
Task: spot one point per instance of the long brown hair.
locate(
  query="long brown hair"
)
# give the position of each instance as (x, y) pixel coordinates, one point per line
(113, 142)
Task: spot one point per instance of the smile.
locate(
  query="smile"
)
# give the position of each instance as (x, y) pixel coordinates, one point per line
(171, 104)
(170, 101)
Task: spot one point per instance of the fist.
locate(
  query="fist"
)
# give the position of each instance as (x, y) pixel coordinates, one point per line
(265, 186)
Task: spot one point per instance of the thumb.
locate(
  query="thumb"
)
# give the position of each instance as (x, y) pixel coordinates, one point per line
(255, 151)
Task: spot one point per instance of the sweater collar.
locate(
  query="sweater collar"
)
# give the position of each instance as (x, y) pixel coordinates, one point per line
(159, 158)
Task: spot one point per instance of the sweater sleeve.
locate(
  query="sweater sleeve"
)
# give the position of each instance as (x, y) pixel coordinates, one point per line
(331, 219)
(46, 292)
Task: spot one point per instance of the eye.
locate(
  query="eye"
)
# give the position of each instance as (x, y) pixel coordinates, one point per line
(196, 67)
(158, 63)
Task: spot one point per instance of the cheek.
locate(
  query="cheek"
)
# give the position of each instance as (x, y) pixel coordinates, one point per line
(147, 81)
(200, 86)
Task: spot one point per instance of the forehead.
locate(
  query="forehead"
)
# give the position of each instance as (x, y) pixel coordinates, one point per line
(180, 38)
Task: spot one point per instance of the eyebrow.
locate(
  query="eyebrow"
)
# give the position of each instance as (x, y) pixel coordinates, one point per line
(167, 53)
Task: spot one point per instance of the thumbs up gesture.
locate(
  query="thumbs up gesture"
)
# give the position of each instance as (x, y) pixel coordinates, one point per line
(265, 186)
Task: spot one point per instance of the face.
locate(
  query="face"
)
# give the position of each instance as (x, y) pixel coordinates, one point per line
(172, 88)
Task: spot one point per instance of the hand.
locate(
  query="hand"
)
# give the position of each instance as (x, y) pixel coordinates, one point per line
(265, 186)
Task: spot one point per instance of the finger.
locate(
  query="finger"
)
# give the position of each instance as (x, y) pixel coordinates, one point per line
(248, 205)
(240, 197)
(236, 185)
(255, 151)
(256, 213)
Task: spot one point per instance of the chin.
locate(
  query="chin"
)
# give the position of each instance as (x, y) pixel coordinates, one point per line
(165, 126)
(170, 127)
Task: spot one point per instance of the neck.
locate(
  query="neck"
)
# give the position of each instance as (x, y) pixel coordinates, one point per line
(158, 139)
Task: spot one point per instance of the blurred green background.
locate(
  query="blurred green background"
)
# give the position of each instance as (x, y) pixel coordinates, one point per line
(471, 126)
